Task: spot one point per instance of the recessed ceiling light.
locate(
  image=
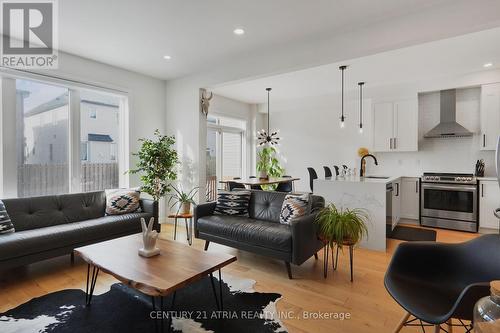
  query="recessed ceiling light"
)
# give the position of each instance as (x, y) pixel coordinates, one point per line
(167, 57)
(488, 64)
(239, 31)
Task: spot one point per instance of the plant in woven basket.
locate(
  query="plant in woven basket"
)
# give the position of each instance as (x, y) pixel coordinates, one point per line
(342, 226)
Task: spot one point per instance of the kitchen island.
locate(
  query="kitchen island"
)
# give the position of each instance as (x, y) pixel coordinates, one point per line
(369, 193)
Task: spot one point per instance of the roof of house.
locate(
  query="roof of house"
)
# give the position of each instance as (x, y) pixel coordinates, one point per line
(99, 137)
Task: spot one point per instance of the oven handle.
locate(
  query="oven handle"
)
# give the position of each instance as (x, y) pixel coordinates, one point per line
(457, 187)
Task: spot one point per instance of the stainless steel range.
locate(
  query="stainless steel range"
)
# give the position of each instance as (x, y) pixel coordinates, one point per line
(449, 200)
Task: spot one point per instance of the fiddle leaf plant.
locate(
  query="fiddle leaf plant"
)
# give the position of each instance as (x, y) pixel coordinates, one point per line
(269, 164)
(157, 165)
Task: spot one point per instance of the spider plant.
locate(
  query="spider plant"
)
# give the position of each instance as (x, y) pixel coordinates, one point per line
(342, 226)
(182, 199)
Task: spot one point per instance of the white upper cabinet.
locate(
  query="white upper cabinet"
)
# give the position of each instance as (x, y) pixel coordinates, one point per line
(490, 116)
(395, 126)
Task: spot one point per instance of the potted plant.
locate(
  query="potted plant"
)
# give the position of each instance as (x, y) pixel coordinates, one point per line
(268, 164)
(342, 226)
(183, 200)
(157, 165)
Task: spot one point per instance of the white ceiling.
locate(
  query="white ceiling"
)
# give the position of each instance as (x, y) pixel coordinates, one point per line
(198, 34)
(449, 57)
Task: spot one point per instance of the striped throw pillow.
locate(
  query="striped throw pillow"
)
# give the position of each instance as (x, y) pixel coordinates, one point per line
(294, 206)
(233, 203)
(6, 225)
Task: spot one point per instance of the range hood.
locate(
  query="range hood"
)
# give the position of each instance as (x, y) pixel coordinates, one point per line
(448, 126)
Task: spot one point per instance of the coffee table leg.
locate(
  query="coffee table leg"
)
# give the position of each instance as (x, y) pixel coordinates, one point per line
(89, 290)
(220, 289)
(213, 289)
(169, 329)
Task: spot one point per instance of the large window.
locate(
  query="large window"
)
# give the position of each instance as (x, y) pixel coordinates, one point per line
(225, 151)
(61, 139)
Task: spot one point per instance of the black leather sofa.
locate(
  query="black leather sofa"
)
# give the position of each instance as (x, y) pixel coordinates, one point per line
(52, 226)
(261, 231)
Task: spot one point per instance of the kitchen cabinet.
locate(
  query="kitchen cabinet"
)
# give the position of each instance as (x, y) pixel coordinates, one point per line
(395, 126)
(490, 116)
(489, 200)
(396, 202)
(410, 198)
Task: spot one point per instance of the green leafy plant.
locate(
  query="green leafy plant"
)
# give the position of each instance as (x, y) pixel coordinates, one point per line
(180, 197)
(268, 163)
(342, 226)
(157, 164)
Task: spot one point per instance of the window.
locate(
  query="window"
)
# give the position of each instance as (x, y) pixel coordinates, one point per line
(42, 117)
(225, 151)
(54, 152)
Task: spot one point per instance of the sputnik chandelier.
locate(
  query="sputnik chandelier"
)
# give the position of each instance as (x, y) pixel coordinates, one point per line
(266, 137)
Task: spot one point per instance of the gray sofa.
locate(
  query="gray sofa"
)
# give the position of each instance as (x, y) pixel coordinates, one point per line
(261, 231)
(51, 226)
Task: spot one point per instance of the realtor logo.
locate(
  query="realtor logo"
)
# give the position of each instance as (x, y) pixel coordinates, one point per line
(29, 34)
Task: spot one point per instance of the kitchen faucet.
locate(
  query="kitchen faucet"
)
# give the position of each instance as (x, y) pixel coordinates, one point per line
(361, 173)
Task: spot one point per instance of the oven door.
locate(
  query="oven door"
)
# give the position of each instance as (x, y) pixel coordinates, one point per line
(449, 201)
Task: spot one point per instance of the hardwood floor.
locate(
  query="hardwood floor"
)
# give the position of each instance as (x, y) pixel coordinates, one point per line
(370, 308)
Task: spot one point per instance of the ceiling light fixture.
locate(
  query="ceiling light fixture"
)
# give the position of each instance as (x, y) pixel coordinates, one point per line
(488, 64)
(342, 117)
(266, 137)
(239, 31)
(167, 57)
(360, 84)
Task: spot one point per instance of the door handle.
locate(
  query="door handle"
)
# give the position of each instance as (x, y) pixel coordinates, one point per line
(390, 143)
(395, 145)
(416, 186)
(397, 189)
(484, 140)
(482, 190)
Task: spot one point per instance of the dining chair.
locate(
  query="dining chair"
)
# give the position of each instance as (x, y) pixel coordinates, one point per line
(435, 282)
(233, 185)
(312, 176)
(336, 170)
(285, 187)
(328, 172)
(255, 187)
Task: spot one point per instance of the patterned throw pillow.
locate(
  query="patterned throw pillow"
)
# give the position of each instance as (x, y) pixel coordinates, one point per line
(6, 225)
(233, 203)
(123, 201)
(294, 206)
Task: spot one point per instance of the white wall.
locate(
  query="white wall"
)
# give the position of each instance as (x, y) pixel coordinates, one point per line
(312, 135)
(146, 96)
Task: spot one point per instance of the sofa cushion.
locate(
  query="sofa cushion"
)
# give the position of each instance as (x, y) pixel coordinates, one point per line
(266, 205)
(43, 239)
(295, 206)
(6, 225)
(251, 231)
(39, 212)
(123, 201)
(233, 203)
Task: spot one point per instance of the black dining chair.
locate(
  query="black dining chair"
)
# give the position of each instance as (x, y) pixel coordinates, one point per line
(255, 187)
(285, 187)
(328, 172)
(233, 185)
(435, 282)
(336, 170)
(312, 176)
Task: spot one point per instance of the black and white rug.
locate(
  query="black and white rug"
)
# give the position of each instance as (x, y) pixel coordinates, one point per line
(122, 309)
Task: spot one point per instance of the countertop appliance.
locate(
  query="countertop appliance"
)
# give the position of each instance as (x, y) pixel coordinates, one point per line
(449, 200)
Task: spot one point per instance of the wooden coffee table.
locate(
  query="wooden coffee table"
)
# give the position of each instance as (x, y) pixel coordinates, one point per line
(177, 266)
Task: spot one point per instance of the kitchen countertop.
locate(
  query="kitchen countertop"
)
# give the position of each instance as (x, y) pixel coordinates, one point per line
(357, 179)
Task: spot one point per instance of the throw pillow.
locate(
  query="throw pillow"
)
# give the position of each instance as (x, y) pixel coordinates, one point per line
(294, 206)
(233, 203)
(123, 201)
(6, 225)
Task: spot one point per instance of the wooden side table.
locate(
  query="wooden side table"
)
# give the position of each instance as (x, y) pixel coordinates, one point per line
(189, 227)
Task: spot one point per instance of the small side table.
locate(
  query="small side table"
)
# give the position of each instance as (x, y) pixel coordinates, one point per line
(189, 227)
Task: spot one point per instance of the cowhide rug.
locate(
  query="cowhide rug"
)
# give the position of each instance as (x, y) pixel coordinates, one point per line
(122, 309)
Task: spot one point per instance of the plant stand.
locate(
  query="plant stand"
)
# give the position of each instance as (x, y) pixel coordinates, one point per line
(189, 225)
(327, 249)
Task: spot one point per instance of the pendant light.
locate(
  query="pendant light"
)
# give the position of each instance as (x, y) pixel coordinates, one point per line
(342, 117)
(266, 137)
(360, 84)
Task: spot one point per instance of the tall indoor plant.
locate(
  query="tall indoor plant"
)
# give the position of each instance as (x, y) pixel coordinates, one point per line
(268, 165)
(157, 166)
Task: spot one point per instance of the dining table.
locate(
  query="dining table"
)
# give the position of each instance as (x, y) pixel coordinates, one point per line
(249, 182)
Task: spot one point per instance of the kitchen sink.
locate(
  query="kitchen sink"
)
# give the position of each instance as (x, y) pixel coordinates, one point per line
(377, 177)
